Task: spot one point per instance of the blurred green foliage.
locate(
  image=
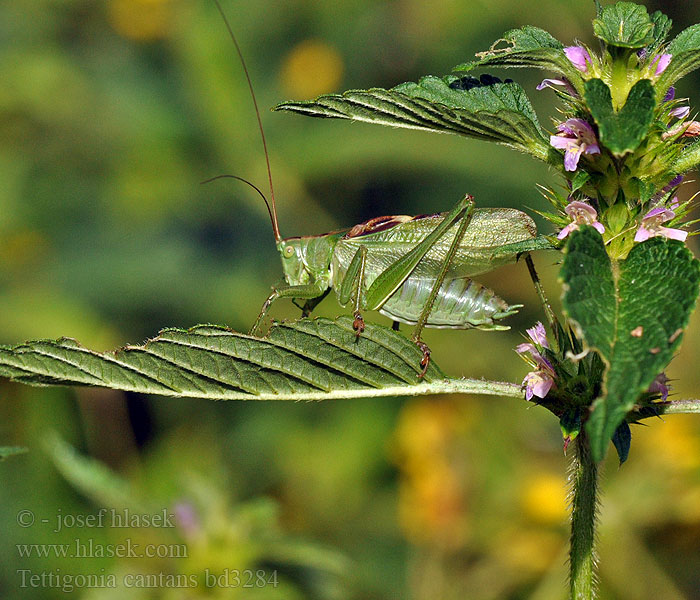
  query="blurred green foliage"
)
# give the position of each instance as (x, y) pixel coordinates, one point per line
(111, 113)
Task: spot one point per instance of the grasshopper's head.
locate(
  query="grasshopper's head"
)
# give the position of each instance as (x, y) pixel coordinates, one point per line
(293, 254)
(307, 259)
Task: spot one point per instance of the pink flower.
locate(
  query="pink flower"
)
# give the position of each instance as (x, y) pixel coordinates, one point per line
(538, 334)
(575, 137)
(581, 214)
(660, 62)
(538, 383)
(579, 57)
(561, 82)
(651, 226)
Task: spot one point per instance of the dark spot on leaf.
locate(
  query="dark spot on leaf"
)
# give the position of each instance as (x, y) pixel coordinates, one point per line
(485, 80)
(465, 83)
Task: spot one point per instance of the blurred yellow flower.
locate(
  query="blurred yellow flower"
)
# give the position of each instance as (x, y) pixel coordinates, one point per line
(141, 20)
(433, 507)
(311, 68)
(673, 443)
(529, 550)
(543, 498)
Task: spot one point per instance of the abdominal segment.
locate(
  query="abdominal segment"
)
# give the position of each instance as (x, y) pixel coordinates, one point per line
(461, 303)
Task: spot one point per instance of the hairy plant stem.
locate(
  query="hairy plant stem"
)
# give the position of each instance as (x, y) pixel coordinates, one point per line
(548, 311)
(584, 481)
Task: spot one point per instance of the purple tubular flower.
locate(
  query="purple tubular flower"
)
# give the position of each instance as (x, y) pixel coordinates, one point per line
(660, 62)
(651, 226)
(550, 82)
(579, 57)
(673, 183)
(680, 112)
(658, 386)
(581, 214)
(575, 137)
(670, 94)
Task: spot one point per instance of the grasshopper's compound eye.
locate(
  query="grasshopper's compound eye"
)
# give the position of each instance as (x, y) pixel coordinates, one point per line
(288, 251)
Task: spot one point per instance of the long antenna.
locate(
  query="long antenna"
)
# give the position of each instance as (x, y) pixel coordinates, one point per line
(272, 210)
(255, 187)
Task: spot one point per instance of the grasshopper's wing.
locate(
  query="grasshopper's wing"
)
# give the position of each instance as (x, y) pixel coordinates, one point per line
(495, 237)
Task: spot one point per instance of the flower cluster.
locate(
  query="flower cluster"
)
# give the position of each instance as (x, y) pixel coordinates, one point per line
(582, 213)
(620, 177)
(540, 380)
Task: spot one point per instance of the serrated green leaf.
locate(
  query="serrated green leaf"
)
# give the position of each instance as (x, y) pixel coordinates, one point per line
(621, 132)
(6, 451)
(662, 27)
(309, 359)
(685, 49)
(526, 47)
(624, 24)
(632, 313)
(500, 112)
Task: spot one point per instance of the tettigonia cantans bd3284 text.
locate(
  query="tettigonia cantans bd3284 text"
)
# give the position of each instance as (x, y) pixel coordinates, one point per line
(415, 270)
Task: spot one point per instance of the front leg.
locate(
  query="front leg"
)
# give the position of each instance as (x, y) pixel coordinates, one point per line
(307, 292)
(352, 286)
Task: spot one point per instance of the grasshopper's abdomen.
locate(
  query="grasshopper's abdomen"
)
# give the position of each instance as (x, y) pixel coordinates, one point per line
(461, 303)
